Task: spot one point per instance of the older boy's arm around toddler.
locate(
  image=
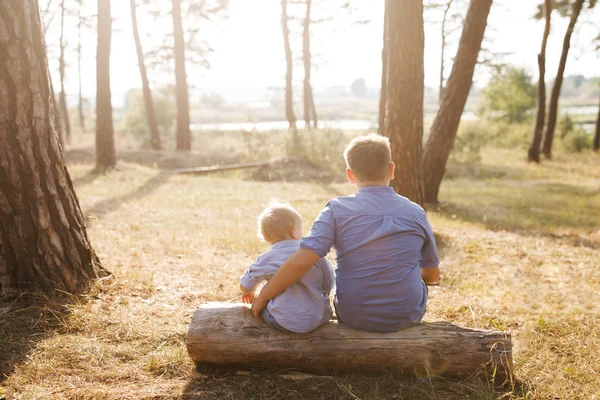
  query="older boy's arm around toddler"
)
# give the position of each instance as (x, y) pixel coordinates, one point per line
(290, 272)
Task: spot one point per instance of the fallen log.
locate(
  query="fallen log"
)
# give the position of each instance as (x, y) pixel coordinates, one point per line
(227, 167)
(227, 335)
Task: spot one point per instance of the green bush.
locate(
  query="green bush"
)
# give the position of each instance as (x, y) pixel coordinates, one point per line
(135, 123)
(473, 136)
(576, 140)
(323, 147)
(509, 97)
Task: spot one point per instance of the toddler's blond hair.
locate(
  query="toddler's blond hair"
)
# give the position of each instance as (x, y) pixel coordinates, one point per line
(368, 157)
(277, 222)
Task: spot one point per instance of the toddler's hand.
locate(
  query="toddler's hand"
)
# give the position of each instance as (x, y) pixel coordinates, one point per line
(247, 298)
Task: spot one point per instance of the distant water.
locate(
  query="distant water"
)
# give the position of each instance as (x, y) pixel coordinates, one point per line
(353, 124)
(343, 124)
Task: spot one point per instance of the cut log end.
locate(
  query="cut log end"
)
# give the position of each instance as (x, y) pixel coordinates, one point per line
(227, 335)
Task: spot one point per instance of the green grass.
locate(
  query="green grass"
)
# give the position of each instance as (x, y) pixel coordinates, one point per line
(519, 246)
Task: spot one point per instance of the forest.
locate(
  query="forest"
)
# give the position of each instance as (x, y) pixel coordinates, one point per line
(140, 140)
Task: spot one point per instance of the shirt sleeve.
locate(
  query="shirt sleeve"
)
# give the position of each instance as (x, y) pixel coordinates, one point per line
(328, 275)
(429, 252)
(256, 273)
(322, 233)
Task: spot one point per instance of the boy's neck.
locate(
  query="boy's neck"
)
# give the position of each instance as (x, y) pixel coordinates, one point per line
(283, 240)
(361, 185)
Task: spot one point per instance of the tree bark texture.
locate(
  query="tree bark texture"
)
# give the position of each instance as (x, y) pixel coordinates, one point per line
(310, 113)
(148, 102)
(184, 136)
(43, 240)
(555, 95)
(79, 51)
(534, 150)
(56, 116)
(289, 98)
(106, 155)
(223, 334)
(64, 109)
(596, 143)
(384, 69)
(403, 124)
(445, 125)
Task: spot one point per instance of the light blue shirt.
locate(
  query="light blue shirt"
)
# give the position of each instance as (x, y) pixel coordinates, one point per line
(381, 240)
(305, 305)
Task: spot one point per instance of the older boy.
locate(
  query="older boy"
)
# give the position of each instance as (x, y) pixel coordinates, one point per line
(304, 305)
(386, 251)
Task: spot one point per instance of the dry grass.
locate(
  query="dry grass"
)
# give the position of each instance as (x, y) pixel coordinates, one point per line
(519, 249)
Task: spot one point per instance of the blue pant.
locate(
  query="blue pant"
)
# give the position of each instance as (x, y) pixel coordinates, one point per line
(270, 320)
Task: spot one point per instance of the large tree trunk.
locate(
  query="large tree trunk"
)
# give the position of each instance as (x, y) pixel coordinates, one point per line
(148, 103)
(184, 136)
(106, 155)
(309, 102)
(43, 240)
(596, 143)
(384, 70)
(534, 150)
(79, 48)
(222, 334)
(445, 126)
(64, 109)
(289, 98)
(555, 95)
(403, 124)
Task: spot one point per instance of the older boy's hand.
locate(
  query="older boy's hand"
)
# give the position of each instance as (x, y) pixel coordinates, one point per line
(258, 305)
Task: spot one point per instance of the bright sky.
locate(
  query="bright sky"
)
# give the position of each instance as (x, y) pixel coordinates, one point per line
(249, 48)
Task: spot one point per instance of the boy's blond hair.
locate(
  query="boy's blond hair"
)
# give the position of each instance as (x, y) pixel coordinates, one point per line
(368, 157)
(277, 222)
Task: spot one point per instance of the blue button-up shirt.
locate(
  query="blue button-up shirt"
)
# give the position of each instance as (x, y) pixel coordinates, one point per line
(381, 240)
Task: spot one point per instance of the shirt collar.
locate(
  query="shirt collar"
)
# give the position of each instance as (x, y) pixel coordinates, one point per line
(375, 189)
(285, 243)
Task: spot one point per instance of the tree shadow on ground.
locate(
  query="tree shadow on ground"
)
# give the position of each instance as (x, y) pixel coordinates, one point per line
(265, 384)
(25, 319)
(107, 206)
(90, 177)
(162, 159)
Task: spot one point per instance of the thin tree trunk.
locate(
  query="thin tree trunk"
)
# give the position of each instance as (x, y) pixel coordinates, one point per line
(443, 52)
(79, 49)
(445, 126)
(534, 150)
(384, 69)
(309, 103)
(596, 143)
(555, 95)
(403, 124)
(184, 136)
(106, 155)
(64, 109)
(43, 240)
(289, 98)
(148, 102)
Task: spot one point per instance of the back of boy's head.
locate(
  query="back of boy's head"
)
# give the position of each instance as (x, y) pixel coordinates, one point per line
(368, 157)
(277, 222)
